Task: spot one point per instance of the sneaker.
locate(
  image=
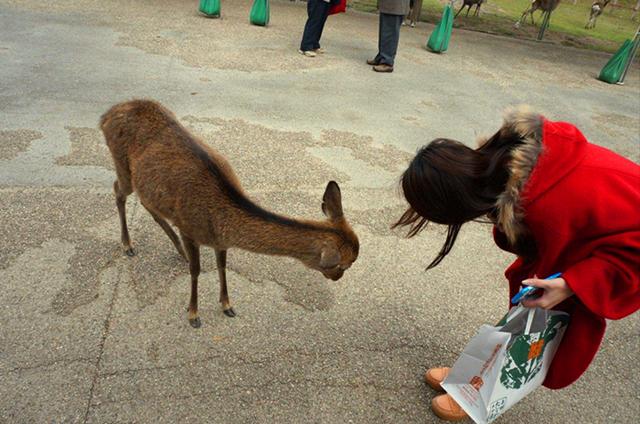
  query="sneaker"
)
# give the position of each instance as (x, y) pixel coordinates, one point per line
(447, 409)
(435, 376)
(320, 50)
(413, 25)
(383, 67)
(372, 62)
(308, 53)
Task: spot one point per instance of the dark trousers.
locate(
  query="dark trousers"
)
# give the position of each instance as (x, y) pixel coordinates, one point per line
(317, 10)
(388, 37)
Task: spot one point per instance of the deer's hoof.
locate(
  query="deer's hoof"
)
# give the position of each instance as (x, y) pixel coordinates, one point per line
(195, 322)
(229, 312)
(130, 252)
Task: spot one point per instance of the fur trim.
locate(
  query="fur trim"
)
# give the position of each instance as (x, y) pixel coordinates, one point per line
(528, 126)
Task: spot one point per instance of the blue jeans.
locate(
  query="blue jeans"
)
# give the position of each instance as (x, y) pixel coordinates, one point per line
(317, 11)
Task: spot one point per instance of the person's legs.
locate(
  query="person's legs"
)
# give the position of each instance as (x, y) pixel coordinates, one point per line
(389, 37)
(309, 35)
(378, 57)
(323, 12)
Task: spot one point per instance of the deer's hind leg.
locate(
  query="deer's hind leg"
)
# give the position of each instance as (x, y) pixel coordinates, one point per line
(221, 261)
(122, 189)
(193, 254)
(169, 231)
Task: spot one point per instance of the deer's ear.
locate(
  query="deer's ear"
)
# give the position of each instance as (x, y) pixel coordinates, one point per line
(332, 201)
(329, 257)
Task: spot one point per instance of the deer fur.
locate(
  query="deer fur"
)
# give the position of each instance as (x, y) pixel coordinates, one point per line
(543, 5)
(596, 10)
(470, 3)
(182, 181)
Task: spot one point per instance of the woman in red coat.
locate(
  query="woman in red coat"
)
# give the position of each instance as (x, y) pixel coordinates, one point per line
(558, 202)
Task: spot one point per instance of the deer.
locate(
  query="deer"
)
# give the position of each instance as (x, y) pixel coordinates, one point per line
(543, 5)
(182, 181)
(470, 3)
(597, 7)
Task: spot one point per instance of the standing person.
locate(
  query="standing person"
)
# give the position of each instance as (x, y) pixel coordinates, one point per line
(392, 12)
(317, 12)
(560, 204)
(415, 7)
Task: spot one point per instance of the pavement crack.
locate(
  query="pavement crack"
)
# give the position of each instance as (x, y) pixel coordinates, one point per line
(105, 333)
(47, 364)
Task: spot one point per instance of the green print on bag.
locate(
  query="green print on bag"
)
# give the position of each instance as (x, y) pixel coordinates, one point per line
(524, 356)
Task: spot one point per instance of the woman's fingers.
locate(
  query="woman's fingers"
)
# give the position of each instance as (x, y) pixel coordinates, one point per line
(537, 282)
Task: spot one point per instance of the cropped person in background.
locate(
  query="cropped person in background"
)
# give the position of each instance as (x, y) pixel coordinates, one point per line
(392, 12)
(317, 12)
(415, 7)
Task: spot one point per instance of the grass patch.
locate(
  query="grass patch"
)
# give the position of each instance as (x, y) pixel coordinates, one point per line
(566, 25)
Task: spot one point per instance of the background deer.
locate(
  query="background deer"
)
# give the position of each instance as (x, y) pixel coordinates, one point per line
(543, 5)
(596, 10)
(181, 180)
(470, 3)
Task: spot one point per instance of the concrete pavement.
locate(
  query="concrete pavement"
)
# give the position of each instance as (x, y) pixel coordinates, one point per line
(90, 335)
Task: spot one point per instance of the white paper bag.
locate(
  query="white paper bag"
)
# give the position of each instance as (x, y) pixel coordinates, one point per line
(502, 364)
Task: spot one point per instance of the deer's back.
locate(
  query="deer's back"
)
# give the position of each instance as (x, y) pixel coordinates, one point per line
(175, 175)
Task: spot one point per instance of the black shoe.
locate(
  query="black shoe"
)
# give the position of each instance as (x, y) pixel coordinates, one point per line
(372, 62)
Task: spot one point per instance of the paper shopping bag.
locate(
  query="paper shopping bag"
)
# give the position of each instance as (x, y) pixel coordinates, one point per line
(502, 364)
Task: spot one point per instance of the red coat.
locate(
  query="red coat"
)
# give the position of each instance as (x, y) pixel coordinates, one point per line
(581, 204)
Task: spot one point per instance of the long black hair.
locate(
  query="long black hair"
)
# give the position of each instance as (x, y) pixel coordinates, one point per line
(449, 183)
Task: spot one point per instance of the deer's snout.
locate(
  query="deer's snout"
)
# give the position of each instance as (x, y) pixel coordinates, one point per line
(335, 275)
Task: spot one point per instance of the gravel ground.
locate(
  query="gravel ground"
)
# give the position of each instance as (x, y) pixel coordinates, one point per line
(90, 335)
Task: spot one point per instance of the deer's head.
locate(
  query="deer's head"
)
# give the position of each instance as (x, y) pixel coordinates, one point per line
(340, 248)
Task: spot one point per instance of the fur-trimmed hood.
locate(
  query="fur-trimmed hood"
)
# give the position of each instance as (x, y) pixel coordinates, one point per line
(527, 125)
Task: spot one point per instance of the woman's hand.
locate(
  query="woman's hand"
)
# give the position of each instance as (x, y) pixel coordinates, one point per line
(555, 291)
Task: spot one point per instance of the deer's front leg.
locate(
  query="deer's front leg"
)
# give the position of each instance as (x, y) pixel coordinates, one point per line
(221, 260)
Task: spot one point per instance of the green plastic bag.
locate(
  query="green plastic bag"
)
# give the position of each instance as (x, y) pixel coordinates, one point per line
(260, 13)
(210, 8)
(612, 71)
(439, 40)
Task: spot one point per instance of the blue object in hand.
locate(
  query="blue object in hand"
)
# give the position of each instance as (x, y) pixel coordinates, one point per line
(529, 290)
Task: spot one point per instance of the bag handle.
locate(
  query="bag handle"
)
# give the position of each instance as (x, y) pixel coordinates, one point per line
(527, 328)
(530, 315)
(518, 310)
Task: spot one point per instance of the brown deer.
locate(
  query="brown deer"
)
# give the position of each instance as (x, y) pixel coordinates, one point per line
(597, 7)
(181, 180)
(470, 3)
(543, 5)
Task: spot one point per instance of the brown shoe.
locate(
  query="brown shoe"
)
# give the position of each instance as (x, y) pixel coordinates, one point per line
(372, 62)
(383, 67)
(447, 409)
(435, 376)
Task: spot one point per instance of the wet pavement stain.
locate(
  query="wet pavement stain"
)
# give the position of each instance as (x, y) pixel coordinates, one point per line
(31, 217)
(88, 148)
(262, 157)
(291, 162)
(364, 148)
(14, 142)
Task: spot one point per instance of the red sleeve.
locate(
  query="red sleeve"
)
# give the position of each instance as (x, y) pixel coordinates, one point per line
(608, 281)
